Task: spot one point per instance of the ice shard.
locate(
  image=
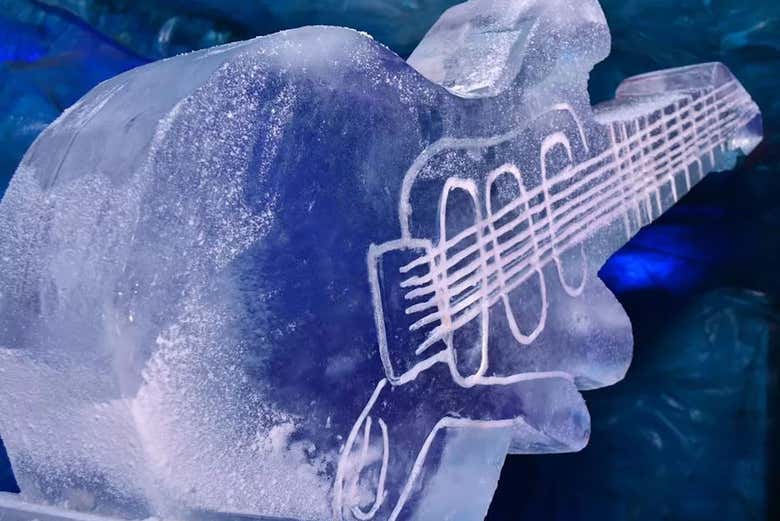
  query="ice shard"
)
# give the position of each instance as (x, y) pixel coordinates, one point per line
(298, 277)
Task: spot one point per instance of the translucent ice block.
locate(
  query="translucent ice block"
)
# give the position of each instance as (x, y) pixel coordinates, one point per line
(299, 277)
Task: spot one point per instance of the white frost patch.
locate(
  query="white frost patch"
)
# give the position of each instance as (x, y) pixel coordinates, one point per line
(195, 431)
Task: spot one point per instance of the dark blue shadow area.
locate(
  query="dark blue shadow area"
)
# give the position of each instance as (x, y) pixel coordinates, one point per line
(7, 481)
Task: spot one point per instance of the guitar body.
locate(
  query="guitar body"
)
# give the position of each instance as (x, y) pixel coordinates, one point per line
(300, 277)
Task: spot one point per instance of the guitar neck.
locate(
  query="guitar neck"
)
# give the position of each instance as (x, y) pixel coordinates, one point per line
(652, 161)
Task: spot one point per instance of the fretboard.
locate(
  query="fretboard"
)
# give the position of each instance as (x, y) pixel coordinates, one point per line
(649, 155)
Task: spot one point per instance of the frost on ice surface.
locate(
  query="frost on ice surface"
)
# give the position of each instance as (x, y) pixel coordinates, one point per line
(300, 277)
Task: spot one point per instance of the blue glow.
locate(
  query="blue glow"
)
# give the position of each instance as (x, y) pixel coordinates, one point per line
(672, 257)
(19, 43)
(7, 481)
(633, 269)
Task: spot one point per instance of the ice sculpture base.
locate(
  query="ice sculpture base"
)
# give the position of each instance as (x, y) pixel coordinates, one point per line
(13, 508)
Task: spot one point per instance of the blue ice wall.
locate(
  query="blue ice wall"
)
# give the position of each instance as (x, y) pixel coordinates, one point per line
(48, 59)
(688, 434)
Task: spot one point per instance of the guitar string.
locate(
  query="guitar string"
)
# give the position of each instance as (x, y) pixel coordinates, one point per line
(559, 224)
(450, 243)
(609, 212)
(705, 100)
(459, 256)
(612, 167)
(594, 203)
(519, 274)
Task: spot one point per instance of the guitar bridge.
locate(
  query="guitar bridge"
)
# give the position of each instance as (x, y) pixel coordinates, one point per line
(407, 336)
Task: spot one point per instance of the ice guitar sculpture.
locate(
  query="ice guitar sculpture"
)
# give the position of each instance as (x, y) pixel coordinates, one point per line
(300, 278)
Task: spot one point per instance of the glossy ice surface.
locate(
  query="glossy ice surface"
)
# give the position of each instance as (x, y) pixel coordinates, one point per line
(299, 277)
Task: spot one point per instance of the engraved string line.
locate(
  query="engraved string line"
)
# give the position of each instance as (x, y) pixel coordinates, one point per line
(607, 155)
(665, 164)
(465, 284)
(506, 246)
